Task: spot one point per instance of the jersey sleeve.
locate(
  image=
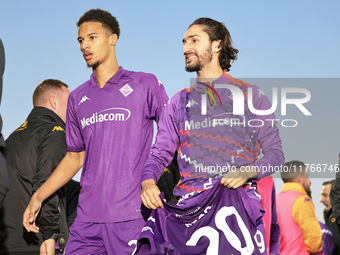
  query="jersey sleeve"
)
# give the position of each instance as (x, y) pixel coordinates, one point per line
(268, 137)
(303, 212)
(167, 141)
(156, 98)
(74, 139)
(51, 152)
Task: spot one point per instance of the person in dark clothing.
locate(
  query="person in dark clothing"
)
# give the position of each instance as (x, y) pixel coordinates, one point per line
(3, 167)
(335, 196)
(334, 218)
(325, 199)
(33, 152)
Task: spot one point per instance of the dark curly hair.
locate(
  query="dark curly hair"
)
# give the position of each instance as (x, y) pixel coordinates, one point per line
(217, 31)
(98, 15)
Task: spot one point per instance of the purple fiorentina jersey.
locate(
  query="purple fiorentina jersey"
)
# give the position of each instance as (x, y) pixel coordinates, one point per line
(114, 125)
(222, 221)
(327, 241)
(211, 139)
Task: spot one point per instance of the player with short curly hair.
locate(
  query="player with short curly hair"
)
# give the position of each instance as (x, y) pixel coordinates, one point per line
(104, 17)
(109, 132)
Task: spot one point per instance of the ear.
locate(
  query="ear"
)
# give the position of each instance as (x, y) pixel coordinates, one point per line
(299, 179)
(216, 46)
(53, 102)
(113, 39)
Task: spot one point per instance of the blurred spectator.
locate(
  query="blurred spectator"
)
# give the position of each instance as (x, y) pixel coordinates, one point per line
(299, 228)
(334, 219)
(335, 197)
(325, 199)
(327, 238)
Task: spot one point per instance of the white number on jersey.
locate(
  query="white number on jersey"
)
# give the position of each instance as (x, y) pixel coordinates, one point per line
(231, 237)
(135, 243)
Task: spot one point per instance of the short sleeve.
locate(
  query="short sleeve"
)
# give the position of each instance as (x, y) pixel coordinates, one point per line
(156, 98)
(74, 138)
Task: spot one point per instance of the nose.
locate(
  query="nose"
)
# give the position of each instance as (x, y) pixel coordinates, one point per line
(322, 199)
(84, 45)
(186, 48)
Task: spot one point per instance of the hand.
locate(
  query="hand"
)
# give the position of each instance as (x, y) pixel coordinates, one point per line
(30, 215)
(47, 247)
(150, 194)
(239, 176)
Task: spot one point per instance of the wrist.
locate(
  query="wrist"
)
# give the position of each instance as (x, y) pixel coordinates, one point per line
(148, 182)
(38, 196)
(249, 172)
(254, 172)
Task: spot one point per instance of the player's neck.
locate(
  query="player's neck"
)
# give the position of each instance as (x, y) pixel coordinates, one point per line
(209, 73)
(105, 71)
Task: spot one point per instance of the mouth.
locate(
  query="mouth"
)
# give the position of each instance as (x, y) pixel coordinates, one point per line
(190, 57)
(87, 55)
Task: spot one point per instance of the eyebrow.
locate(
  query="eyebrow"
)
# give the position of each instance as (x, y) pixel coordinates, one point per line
(87, 35)
(190, 36)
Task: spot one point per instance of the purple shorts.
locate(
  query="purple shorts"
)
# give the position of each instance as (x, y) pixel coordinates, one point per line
(104, 238)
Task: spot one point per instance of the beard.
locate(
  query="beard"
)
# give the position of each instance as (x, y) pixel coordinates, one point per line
(308, 190)
(94, 65)
(205, 57)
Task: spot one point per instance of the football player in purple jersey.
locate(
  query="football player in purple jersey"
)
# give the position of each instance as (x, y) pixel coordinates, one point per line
(216, 144)
(109, 131)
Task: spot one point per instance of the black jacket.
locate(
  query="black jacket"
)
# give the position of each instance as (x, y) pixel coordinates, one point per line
(334, 218)
(33, 151)
(3, 169)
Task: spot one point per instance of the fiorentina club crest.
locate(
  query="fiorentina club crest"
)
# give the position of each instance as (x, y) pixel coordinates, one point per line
(126, 90)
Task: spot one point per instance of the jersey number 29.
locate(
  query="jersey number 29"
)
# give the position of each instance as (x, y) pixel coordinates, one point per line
(213, 235)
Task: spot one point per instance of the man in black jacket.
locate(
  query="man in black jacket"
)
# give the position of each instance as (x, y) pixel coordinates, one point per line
(3, 168)
(334, 218)
(33, 152)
